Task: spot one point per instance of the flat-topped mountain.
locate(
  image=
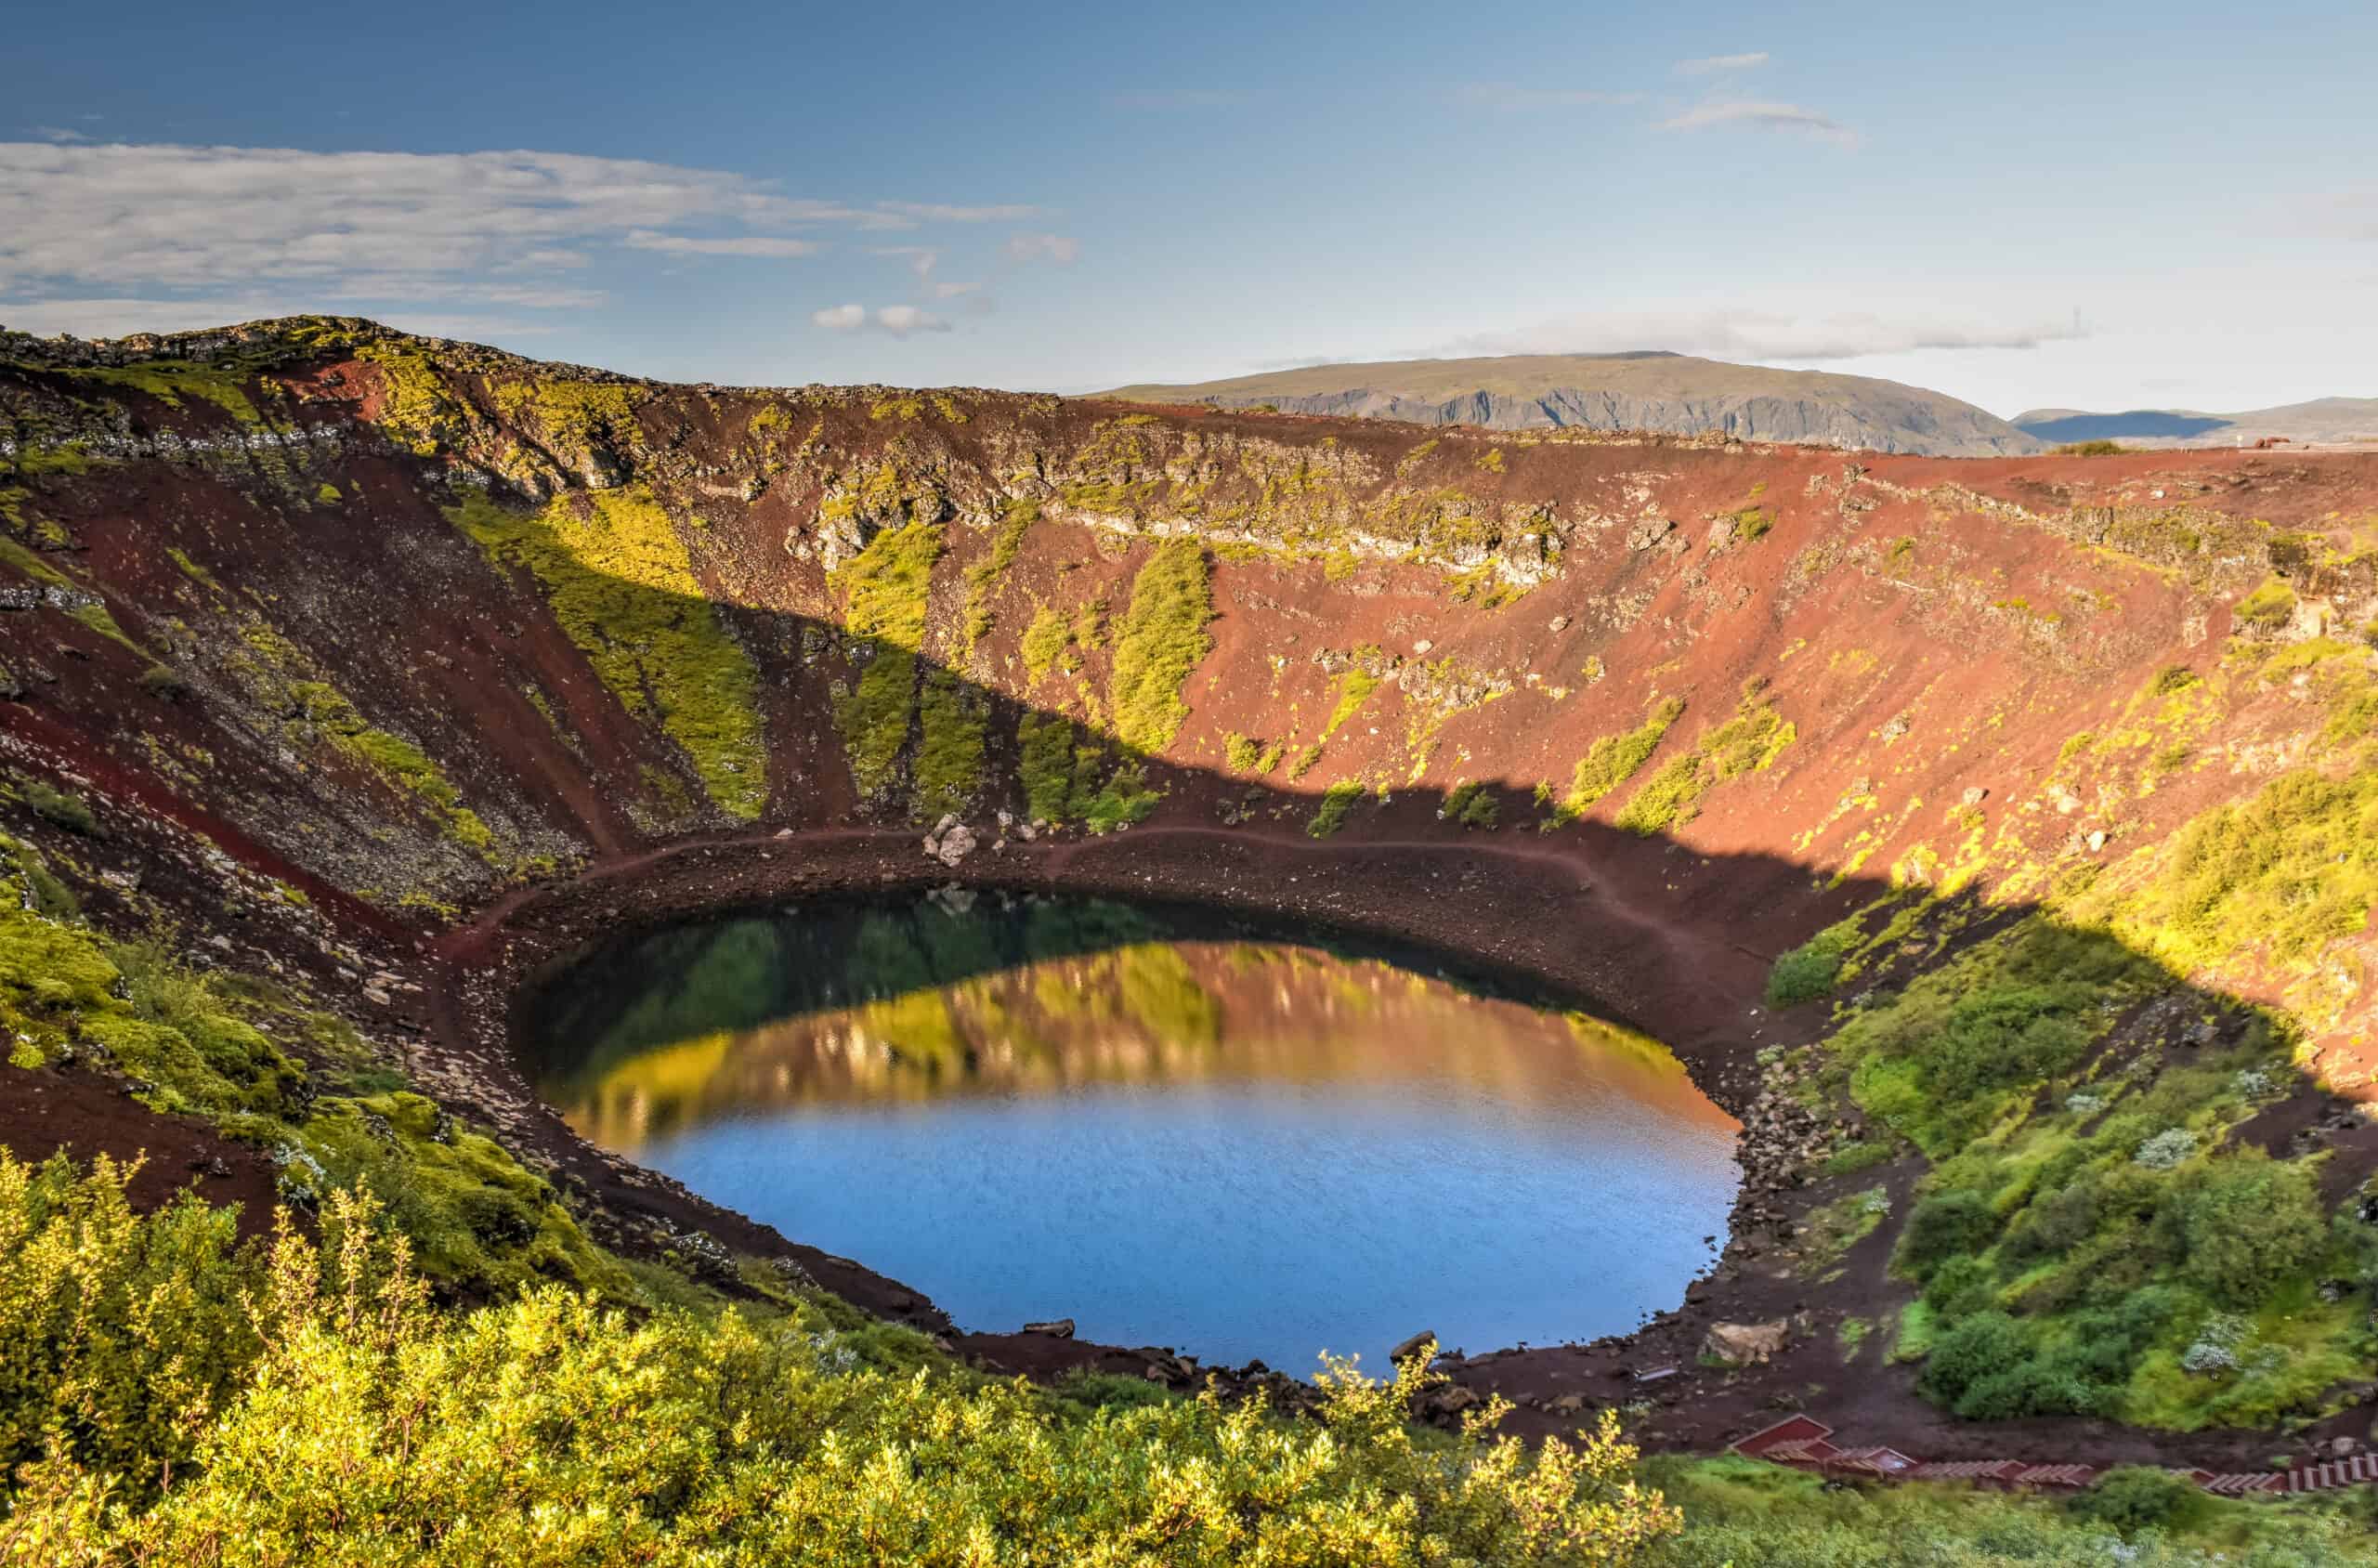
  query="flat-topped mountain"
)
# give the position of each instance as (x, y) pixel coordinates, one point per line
(1671, 393)
(2322, 421)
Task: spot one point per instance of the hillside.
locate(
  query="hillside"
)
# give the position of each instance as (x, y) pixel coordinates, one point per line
(2323, 420)
(1997, 839)
(1672, 393)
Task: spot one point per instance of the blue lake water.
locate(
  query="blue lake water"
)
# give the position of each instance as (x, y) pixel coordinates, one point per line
(1173, 1133)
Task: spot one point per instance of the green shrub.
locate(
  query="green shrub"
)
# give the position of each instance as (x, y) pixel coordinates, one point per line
(2244, 1224)
(1471, 804)
(1336, 800)
(1812, 970)
(1944, 1226)
(126, 1334)
(2136, 1497)
(547, 1430)
(1045, 751)
(2091, 449)
(60, 808)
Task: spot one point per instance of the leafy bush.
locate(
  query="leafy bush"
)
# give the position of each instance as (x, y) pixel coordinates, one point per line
(1944, 1226)
(1811, 969)
(547, 1430)
(2245, 1223)
(125, 1333)
(1472, 806)
(1336, 800)
(2136, 1497)
(59, 807)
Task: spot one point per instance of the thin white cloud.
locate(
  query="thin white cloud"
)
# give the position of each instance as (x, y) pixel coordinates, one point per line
(902, 320)
(898, 320)
(155, 226)
(58, 135)
(115, 317)
(1062, 249)
(1509, 98)
(548, 259)
(745, 244)
(921, 259)
(1172, 100)
(1713, 65)
(943, 211)
(1766, 117)
(955, 291)
(1763, 335)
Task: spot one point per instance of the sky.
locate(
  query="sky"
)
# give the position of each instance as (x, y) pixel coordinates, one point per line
(2109, 206)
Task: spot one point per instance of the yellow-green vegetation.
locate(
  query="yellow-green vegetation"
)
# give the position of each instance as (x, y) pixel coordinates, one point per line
(334, 1416)
(1045, 761)
(322, 706)
(2279, 876)
(623, 588)
(1355, 688)
(983, 578)
(1612, 760)
(1045, 642)
(570, 419)
(327, 494)
(1472, 805)
(1247, 754)
(1813, 968)
(1753, 524)
(1067, 780)
(1162, 639)
(2269, 608)
(886, 584)
(415, 403)
(1741, 1512)
(170, 381)
(2093, 1237)
(1834, 1228)
(1749, 742)
(1336, 801)
(950, 723)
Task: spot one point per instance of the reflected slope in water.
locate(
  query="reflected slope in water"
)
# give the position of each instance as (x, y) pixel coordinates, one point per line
(1169, 1132)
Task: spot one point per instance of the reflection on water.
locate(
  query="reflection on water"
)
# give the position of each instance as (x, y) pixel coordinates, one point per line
(1168, 1130)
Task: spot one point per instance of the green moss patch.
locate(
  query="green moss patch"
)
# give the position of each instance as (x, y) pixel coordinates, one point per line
(622, 587)
(1162, 639)
(1749, 742)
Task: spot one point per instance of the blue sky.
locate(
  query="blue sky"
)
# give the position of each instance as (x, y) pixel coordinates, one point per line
(2115, 205)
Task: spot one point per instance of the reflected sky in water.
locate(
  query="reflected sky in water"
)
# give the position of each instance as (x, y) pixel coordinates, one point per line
(1161, 1127)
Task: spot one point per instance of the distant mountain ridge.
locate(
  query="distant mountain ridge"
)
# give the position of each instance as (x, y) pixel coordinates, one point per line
(2338, 420)
(1642, 390)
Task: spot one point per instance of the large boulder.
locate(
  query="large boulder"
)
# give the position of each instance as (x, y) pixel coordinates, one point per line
(1747, 1344)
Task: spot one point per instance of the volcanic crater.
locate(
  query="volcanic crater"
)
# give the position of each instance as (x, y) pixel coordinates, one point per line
(383, 673)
